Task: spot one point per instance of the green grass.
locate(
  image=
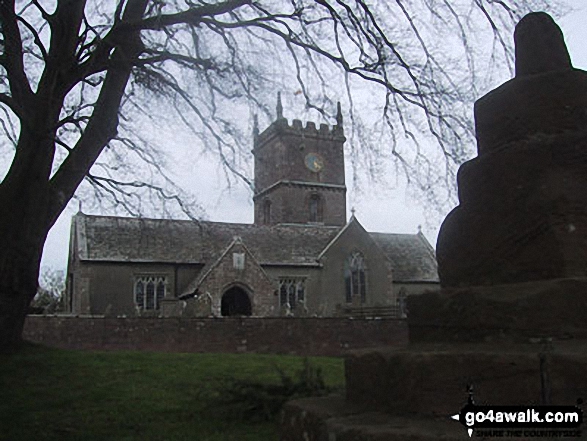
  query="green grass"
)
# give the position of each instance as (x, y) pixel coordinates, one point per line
(50, 394)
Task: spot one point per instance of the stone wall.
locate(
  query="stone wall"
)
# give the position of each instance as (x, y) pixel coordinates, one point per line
(290, 203)
(100, 284)
(300, 336)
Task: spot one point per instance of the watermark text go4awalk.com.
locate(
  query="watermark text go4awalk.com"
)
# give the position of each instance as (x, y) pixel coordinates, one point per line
(561, 421)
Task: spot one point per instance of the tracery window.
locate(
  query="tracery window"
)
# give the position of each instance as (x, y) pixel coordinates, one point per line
(292, 292)
(149, 291)
(354, 278)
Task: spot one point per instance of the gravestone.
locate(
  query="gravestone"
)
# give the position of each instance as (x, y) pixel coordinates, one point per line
(510, 319)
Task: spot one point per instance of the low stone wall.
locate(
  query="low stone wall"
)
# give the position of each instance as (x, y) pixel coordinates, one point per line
(300, 336)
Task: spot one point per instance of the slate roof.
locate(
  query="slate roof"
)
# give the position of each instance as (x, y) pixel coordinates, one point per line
(116, 239)
(120, 239)
(412, 257)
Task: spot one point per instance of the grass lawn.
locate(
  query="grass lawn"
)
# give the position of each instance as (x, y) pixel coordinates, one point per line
(51, 394)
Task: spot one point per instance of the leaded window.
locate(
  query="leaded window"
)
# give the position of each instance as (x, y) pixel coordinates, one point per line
(140, 293)
(150, 291)
(160, 294)
(354, 278)
(150, 296)
(292, 292)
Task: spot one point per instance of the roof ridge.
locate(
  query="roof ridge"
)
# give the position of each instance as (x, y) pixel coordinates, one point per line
(393, 234)
(187, 221)
(207, 222)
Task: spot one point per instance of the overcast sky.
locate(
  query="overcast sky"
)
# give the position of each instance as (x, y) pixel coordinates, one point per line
(390, 211)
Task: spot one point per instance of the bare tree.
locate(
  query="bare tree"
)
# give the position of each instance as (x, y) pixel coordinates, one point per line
(49, 297)
(80, 80)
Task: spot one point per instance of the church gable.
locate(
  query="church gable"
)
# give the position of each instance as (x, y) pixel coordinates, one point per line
(236, 273)
(357, 273)
(412, 257)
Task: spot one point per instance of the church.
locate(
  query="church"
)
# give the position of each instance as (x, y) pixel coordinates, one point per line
(300, 256)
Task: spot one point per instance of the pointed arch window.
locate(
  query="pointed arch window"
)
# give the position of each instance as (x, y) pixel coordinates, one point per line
(140, 293)
(150, 295)
(292, 292)
(267, 212)
(149, 291)
(316, 208)
(354, 278)
(402, 303)
(160, 293)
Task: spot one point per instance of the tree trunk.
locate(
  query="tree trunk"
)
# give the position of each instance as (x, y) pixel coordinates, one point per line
(19, 273)
(20, 257)
(24, 225)
(30, 199)
(17, 291)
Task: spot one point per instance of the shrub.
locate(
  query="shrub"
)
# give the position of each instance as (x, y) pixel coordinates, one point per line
(255, 400)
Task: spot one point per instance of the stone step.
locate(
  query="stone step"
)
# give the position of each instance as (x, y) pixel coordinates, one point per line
(433, 379)
(334, 419)
(501, 313)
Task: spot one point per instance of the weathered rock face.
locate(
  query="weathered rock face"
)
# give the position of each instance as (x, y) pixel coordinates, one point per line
(522, 211)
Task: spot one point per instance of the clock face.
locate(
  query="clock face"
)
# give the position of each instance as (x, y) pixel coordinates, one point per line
(314, 162)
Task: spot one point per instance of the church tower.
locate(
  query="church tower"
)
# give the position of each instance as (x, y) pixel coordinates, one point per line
(299, 173)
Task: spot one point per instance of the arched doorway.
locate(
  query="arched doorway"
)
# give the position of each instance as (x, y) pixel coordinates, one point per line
(235, 301)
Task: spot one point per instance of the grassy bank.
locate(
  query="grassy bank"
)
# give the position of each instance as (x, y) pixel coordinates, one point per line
(49, 394)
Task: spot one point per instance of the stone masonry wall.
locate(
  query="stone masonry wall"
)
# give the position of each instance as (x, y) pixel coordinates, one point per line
(251, 278)
(299, 336)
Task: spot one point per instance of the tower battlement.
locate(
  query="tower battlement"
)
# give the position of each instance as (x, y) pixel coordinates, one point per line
(281, 127)
(299, 172)
(296, 128)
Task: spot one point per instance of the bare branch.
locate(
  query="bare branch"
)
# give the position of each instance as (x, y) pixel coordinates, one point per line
(8, 127)
(9, 102)
(36, 37)
(191, 16)
(12, 56)
(46, 16)
(102, 126)
(153, 57)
